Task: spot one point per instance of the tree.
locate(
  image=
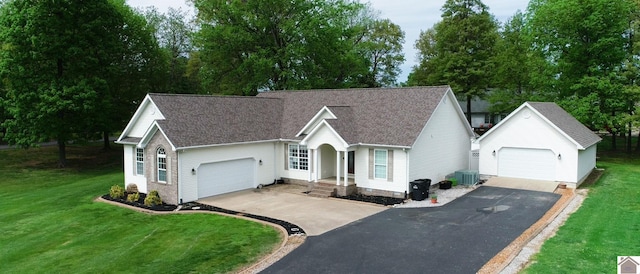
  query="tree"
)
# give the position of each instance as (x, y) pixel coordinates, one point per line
(584, 44)
(249, 46)
(174, 32)
(60, 62)
(463, 50)
(515, 63)
(382, 46)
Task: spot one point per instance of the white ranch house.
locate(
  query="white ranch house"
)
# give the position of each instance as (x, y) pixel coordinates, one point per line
(374, 141)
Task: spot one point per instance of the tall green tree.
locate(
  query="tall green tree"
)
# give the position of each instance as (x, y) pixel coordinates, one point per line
(463, 51)
(249, 46)
(514, 66)
(382, 45)
(59, 63)
(585, 45)
(174, 32)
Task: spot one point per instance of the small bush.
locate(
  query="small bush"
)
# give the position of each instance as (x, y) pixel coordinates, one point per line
(133, 197)
(132, 188)
(152, 199)
(116, 192)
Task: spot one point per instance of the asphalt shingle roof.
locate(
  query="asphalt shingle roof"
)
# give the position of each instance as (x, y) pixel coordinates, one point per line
(199, 120)
(379, 116)
(567, 123)
(369, 116)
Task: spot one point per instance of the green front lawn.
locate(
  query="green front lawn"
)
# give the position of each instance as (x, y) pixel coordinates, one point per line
(607, 225)
(50, 223)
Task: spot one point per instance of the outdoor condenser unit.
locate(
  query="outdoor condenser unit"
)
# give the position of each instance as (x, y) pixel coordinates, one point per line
(467, 177)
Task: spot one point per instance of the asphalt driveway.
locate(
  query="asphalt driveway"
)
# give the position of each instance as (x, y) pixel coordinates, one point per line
(459, 237)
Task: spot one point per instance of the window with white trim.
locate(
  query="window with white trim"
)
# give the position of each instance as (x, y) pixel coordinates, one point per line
(139, 161)
(380, 164)
(162, 165)
(298, 157)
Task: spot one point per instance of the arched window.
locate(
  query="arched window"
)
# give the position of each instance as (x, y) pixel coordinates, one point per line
(162, 165)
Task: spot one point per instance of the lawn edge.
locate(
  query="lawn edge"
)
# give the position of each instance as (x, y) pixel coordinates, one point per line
(287, 244)
(501, 260)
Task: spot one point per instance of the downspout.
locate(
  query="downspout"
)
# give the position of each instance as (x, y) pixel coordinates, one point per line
(180, 176)
(275, 158)
(406, 190)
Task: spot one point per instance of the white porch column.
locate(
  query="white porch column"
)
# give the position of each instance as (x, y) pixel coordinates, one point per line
(346, 167)
(337, 168)
(310, 163)
(316, 165)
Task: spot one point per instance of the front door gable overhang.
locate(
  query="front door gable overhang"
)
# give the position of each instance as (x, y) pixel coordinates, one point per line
(323, 133)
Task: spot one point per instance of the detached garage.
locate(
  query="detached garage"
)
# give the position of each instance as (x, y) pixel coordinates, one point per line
(539, 141)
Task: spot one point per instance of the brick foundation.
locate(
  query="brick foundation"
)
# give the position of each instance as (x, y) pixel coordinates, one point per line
(378, 192)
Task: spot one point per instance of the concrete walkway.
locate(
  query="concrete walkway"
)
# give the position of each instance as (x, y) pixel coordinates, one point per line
(526, 184)
(287, 202)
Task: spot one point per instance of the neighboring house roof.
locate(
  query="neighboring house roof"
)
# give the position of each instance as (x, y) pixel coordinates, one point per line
(559, 119)
(200, 120)
(477, 105)
(380, 116)
(388, 117)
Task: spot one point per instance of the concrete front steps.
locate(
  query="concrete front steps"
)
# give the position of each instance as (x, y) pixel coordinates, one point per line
(322, 190)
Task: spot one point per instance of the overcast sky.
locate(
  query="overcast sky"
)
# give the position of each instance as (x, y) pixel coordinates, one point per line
(411, 15)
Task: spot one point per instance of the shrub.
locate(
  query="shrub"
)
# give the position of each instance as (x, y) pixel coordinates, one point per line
(133, 197)
(116, 192)
(152, 199)
(132, 188)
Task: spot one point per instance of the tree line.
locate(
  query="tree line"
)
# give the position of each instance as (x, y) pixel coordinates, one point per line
(74, 70)
(583, 55)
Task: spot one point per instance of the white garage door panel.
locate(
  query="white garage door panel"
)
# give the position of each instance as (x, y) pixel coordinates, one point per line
(537, 164)
(223, 177)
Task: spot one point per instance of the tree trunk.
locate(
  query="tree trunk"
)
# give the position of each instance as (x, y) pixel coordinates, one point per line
(614, 145)
(469, 109)
(62, 153)
(638, 142)
(105, 140)
(629, 138)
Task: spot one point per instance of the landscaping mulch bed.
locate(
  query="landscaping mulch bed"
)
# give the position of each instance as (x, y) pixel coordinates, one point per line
(140, 203)
(381, 200)
(292, 229)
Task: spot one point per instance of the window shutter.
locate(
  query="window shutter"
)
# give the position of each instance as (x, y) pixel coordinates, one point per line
(286, 156)
(371, 164)
(390, 166)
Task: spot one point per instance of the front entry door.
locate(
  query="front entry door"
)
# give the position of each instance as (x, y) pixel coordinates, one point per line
(351, 162)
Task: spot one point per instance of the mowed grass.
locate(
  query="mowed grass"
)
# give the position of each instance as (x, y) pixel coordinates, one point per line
(50, 223)
(607, 224)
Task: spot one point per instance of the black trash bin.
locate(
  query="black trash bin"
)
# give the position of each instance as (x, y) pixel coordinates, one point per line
(420, 189)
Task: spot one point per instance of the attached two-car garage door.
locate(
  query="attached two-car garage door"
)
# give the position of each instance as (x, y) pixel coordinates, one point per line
(223, 177)
(527, 163)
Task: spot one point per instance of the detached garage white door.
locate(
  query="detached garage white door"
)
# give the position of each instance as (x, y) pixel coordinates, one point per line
(527, 163)
(223, 177)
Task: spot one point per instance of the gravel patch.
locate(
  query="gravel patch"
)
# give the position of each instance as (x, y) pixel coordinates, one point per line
(444, 196)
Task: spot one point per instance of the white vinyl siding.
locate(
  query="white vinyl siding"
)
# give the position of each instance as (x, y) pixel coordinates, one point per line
(298, 157)
(380, 164)
(139, 161)
(162, 165)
